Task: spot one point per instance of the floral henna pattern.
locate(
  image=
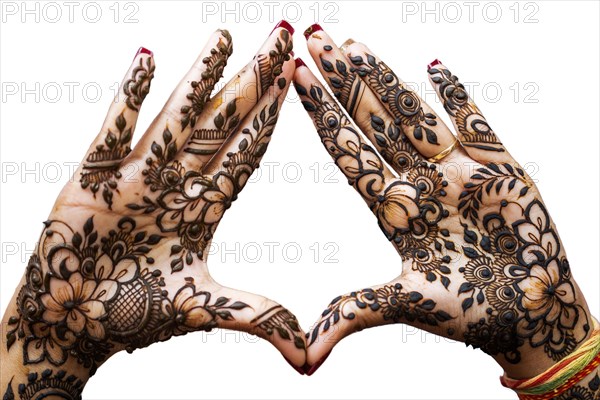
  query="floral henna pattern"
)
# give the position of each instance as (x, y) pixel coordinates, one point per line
(200, 95)
(100, 170)
(473, 128)
(393, 301)
(521, 272)
(192, 204)
(404, 104)
(86, 294)
(498, 252)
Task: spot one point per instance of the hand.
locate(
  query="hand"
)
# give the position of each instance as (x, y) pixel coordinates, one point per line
(121, 263)
(482, 262)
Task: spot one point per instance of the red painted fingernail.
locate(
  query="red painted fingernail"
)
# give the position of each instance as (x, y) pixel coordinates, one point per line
(299, 63)
(317, 365)
(433, 63)
(285, 25)
(312, 29)
(143, 50)
(299, 370)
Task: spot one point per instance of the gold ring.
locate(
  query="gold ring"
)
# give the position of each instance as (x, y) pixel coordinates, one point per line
(444, 153)
(346, 44)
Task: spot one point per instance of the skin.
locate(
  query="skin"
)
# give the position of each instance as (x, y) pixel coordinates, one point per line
(121, 264)
(480, 259)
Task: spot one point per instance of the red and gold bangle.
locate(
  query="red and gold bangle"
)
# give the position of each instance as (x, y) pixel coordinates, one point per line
(561, 376)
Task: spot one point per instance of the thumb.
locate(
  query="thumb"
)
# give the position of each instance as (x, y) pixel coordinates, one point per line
(264, 318)
(402, 300)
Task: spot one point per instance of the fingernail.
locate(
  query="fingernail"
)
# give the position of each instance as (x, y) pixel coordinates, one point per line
(433, 63)
(299, 63)
(317, 365)
(285, 25)
(292, 53)
(143, 50)
(312, 29)
(298, 369)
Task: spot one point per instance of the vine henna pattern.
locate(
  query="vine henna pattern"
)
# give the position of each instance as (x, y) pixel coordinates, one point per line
(473, 129)
(101, 167)
(280, 320)
(392, 301)
(201, 90)
(206, 141)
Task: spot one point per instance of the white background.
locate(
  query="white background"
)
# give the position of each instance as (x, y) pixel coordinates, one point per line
(551, 125)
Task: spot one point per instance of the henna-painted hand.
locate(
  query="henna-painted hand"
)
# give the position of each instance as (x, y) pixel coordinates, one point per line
(482, 262)
(121, 263)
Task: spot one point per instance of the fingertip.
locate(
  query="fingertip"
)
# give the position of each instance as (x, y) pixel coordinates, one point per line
(313, 368)
(298, 369)
(299, 62)
(433, 63)
(143, 50)
(311, 30)
(285, 25)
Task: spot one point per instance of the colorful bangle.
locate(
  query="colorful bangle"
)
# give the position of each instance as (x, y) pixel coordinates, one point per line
(561, 376)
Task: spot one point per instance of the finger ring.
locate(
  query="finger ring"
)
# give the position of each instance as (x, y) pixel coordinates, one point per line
(444, 153)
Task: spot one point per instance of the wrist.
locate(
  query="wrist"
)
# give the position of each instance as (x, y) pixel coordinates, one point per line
(574, 373)
(40, 380)
(26, 379)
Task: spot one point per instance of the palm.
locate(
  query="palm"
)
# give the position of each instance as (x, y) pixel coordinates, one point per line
(121, 261)
(482, 262)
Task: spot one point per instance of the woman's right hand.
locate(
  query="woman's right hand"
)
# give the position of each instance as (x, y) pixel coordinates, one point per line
(481, 260)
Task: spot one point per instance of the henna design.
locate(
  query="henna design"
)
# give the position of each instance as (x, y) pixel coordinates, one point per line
(269, 67)
(200, 95)
(208, 141)
(395, 147)
(404, 104)
(347, 86)
(280, 320)
(393, 301)
(408, 210)
(85, 293)
(57, 385)
(591, 391)
(520, 271)
(192, 204)
(137, 87)
(489, 180)
(474, 129)
(101, 167)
